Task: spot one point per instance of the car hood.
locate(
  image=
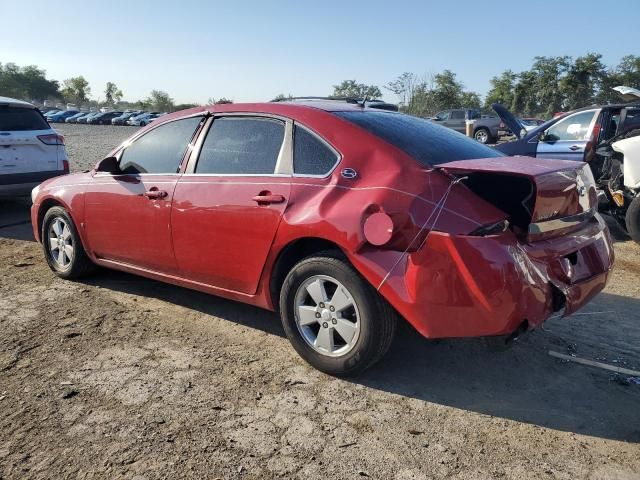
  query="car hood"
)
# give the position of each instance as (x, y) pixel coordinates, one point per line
(628, 94)
(510, 119)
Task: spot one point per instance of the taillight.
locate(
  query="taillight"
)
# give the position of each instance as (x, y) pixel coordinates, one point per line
(51, 139)
(501, 125)
(589, 151)
(65, 166)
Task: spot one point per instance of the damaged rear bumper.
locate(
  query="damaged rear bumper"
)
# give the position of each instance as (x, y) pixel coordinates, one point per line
(467, 286)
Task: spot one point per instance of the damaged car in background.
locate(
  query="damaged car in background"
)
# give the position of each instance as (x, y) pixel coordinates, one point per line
(342, 216)
(604, 138)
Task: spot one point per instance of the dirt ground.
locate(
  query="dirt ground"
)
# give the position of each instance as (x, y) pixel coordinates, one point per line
(116, 376)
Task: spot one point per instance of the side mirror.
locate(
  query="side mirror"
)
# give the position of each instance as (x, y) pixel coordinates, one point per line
(542, 136)
(108, 165)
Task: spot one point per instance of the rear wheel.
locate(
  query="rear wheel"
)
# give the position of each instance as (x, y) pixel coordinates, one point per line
(632, 219)
(62, 246)
(334, 319)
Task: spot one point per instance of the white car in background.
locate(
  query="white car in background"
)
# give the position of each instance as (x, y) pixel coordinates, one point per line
(30, 150)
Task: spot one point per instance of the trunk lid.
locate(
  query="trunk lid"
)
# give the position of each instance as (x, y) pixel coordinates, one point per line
(541, 197)
(628, 94)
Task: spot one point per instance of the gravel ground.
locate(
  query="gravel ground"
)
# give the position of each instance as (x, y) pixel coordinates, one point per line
(116, 376)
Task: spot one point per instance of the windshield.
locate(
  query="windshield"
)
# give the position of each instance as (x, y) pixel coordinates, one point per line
(428, 143)
(21, 119)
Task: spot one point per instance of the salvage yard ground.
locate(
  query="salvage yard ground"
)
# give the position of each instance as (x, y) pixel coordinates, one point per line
(121, 377)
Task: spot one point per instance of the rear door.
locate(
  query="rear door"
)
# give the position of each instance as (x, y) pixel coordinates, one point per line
(568, 138)
(228, 205)
(21, 149)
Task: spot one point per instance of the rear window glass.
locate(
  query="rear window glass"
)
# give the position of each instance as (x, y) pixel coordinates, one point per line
(20, 119)
(428, 143)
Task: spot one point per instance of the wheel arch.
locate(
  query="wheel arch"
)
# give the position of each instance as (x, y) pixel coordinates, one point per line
(291, 254)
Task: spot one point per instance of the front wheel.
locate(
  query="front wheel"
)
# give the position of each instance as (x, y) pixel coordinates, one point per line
(333, 318)
(62, 246)
(632, 219)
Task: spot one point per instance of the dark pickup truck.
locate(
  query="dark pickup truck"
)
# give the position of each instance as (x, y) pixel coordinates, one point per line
(486, 128)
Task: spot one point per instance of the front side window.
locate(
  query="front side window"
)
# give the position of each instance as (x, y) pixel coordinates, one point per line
(442, 116)
(241, 146)
(311, 156)
(161, 150)
(574, 127)
(457, 115)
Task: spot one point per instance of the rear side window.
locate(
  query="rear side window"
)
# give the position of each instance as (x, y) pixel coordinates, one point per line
(161, 150)
(429, 143)
(20, 119)
(457, 115)
(241, 146)
(311, 156)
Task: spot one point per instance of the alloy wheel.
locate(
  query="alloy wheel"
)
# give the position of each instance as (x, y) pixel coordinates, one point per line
(482, 136)
(327, 316)
(61, 245)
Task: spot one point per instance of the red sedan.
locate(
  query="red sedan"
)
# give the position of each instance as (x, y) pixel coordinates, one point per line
(343, 217)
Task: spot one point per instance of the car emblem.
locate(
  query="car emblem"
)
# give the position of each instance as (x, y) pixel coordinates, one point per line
(349, 173)
(582, 190)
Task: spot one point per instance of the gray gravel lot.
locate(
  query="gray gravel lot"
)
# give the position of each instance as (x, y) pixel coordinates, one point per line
(87, 144)
(116, 376)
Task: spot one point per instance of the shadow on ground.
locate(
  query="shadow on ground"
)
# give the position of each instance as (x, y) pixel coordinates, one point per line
(523, 384)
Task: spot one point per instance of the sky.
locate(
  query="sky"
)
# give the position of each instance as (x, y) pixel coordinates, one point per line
(253, 50)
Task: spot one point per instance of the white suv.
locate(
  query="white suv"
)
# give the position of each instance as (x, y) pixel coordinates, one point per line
(30, 150)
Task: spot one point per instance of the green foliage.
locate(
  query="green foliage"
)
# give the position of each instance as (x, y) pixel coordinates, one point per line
(27, 83)
(76, 90)
(351, 88)
(112, 94)
(184, 106)
(160, 101)
(556, 84)
(426, 98)
(281, 96)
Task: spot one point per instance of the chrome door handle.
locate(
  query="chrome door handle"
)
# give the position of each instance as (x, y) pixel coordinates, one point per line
(155, 194)
(267, 198)
(575, 147)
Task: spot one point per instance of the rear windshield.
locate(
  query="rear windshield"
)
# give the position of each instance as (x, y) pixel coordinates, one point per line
(423, 140)
(19, 119)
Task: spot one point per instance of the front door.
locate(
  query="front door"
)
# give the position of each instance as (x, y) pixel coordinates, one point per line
(567, 139)
(226, 211)
(128, 214)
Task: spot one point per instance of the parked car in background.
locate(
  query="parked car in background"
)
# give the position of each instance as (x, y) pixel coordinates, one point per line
(103, 118)
(340, 216)
(122, 119)
(486, 128)
(531, 123)
(60, 117)
(30, 150)
(144, 119)
(74, 118)
(51, 112)
(86, 117)
(574, 135)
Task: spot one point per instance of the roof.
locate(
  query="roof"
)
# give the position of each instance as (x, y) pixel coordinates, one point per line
(15, 103)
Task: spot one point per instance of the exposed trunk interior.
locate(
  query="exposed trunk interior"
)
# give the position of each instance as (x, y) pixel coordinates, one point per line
(513, 194)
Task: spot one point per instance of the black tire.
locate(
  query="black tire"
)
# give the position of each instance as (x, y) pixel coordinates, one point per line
(377, 319)
(632, 219)
(483, 135)
(79, 263)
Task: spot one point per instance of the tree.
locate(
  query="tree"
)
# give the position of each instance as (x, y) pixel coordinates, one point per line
(220, 101)
(76, 90)
(29, 83)
(281, 97)
(351, 88)
(404, 87)
(502, 89)
(582, 81)
(112, 94)
(160, 100)
(548, 72)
